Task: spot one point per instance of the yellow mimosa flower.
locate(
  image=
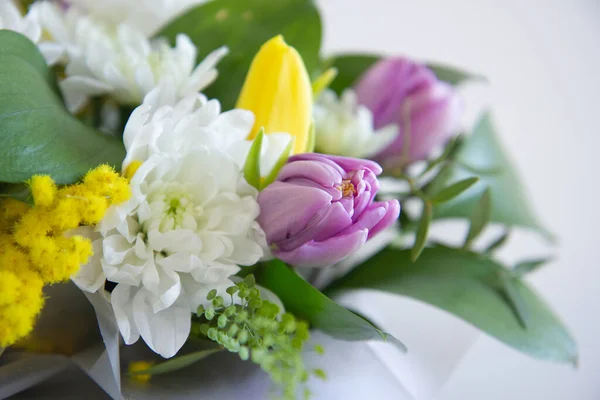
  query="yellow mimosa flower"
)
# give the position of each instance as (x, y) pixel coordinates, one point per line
(278, 91)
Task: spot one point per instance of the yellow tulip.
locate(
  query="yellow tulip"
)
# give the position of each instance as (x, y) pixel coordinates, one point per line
(278, 91)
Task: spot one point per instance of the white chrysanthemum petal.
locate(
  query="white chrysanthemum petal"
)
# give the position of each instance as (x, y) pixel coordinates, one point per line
(121, 299)
(165, 331)
(343, 127)
(118, 58)
(148, 16)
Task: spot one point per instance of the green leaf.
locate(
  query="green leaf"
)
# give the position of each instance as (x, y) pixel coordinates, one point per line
(526, 267)
(482, 152)
(38, 134)
(480, 217)
(283, 157)
(252, 164)
(177, 363)
(244, 26)
(467, 285)
(454, 190)
(453, 75)
(496, 244)
(308, 303)
(349, 67)
(422, 231)
(513, 296)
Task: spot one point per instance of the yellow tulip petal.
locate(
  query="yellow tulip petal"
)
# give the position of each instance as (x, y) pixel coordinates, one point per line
(279, 93)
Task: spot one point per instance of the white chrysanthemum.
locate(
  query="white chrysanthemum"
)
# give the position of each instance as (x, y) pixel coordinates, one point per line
(345, 128)
(12, 19)
(157, 126)
(147, 16)
(118, 60)
(190, 224)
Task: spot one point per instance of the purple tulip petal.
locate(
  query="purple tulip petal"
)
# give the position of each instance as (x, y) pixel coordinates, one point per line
(321, 254)
(391, 215)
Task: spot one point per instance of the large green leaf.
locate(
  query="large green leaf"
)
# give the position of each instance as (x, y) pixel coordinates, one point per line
(244, 26)
(472, 287)
(308, 303)
(481, 154)
(38, 134)
(351, 66)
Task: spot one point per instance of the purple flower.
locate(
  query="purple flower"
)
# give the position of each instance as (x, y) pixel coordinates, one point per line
(321, 209)
(401, 91)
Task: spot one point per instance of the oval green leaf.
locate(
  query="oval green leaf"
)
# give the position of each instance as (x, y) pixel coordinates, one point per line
(482, 152)
(469, 286)
(244, 26)
(308, 303)
(38, 134)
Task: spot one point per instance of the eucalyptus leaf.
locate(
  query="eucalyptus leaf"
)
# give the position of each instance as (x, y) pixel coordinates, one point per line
(496, 244)
(526, 267)
(177, 363)
(308, 303)
(244, 26)
(422, 232)
(453, 75)
(454, 190)
(482, 151)
(480, 217)
(349, 68)
(38, 134)
(469, 286)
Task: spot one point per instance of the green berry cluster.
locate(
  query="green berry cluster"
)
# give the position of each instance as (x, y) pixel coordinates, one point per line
(253, 328)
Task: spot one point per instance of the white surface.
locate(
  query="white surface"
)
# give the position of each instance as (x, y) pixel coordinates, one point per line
(543, 60)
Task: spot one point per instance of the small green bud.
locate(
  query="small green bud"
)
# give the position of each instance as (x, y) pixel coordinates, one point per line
(250, 281)
(254, 294)
(243, 336)
(241, 317)
(269, 340)
(319, 373)
(211, 295)
(233, 330)
(232, 290)
(258, 355)
(222, 321)
(319, 349)
(221, 337)
(230, 311)
(212, 333)
(200, 310)
(209, 314)
(217, 302)
(256, 303)
(244, 353)
(244, 293)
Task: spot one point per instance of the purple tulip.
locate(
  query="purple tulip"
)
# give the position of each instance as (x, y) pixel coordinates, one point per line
(321, 209)
(403, 92)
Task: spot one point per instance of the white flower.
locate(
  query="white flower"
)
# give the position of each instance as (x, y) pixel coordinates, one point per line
(119, 60)
(343, 127)
(157, 127)
(12, 19)
(147, 16)
(190, 224)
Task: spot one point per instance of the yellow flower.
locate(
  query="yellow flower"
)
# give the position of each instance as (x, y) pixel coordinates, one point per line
(43, 190)
(278, 91)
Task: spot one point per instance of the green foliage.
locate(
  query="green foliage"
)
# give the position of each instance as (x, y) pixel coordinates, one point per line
(252, 165)
(255, 330)
(453, 75)
(453, 190)
(38, 134)
(244, 26)
(481, 154)
(308, 303)
(422, 231)
(480, 217)
(472, 287)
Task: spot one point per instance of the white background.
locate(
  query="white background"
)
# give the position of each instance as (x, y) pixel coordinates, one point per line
(542, 58)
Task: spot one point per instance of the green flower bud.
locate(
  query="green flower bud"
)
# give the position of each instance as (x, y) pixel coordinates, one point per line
(244, 353)
(200, 310)
(233, 330)
(212, 333)
(211, 295)
(232, 290)
(217, 302)
(222, 321)
(209, 314)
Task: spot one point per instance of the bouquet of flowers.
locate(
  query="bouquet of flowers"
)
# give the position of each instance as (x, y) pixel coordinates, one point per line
(211, 181)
